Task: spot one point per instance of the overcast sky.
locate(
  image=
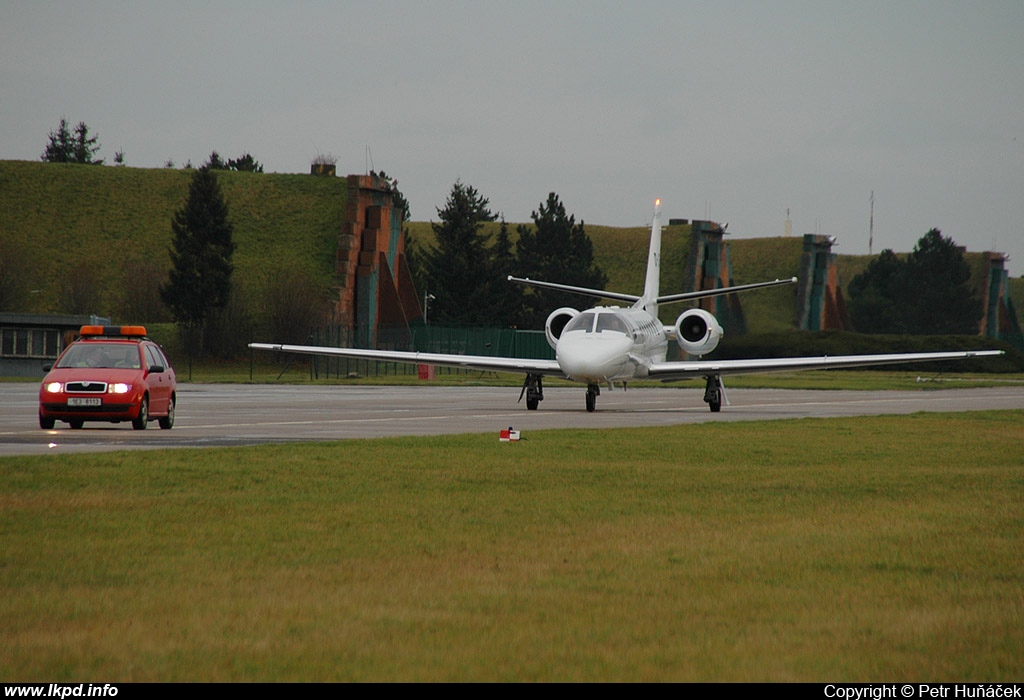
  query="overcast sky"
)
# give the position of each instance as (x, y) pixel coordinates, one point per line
(734, 111)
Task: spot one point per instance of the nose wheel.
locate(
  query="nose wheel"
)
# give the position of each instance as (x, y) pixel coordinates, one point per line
(533, 389)
(593, 391)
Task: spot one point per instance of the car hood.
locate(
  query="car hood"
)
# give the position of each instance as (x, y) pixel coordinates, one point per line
(92, 374)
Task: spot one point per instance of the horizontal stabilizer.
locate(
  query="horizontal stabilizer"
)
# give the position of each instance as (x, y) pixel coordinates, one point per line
(598, 293)
(619, 296)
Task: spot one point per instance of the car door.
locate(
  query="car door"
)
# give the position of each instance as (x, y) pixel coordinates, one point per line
(159, 383)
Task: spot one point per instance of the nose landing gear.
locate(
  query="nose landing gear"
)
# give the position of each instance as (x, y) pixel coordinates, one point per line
(533, 388)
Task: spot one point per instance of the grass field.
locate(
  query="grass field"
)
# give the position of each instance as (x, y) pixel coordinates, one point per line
(857, 549)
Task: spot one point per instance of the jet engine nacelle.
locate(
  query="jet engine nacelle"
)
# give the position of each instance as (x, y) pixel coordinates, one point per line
(556, 323)
(697, 332)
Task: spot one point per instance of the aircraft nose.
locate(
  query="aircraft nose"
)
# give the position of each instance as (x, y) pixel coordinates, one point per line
(593, 357)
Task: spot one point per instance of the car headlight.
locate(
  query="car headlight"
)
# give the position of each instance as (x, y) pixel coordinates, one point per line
(119, 388)
(52, 387)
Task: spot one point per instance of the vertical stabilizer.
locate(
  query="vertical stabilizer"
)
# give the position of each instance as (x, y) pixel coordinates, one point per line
(649, 300)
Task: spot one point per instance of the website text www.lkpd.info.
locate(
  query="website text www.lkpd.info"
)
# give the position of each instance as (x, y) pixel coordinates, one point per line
(61, 690)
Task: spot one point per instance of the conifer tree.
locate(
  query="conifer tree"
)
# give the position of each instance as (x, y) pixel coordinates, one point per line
(199, 282)
(927, 293)
(459, 269)
(944, 301)
(503, 299)
(65, 147)
(559, 250)
(873, 304)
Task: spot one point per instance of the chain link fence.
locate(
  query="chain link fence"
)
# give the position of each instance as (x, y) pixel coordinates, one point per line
(491, 342)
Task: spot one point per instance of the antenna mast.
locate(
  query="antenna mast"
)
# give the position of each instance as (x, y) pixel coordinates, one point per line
(871, 225)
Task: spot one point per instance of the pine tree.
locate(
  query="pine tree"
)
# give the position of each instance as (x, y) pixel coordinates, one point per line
(928, 293)
(558, 251)
(200, 277)
(874, 295)
(245, 164)
(503, 299)
(459, 268)
(215, 162)
(65, 147)
(945, 303)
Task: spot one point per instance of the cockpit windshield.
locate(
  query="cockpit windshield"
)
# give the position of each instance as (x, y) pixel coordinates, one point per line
(611, 322)
(590, 322)
(583, 322)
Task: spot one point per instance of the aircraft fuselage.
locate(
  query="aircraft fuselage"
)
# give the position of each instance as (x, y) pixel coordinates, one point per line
(610, 344)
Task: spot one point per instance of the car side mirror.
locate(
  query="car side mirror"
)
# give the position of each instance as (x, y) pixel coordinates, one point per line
(47, 368)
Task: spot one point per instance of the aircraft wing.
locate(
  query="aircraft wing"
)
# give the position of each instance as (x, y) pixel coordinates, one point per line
(668, 371)
(485, 363)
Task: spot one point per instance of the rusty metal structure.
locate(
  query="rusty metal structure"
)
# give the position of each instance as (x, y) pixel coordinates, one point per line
(375, 288)
(1000, 318)
(819, 302)
(709, 266)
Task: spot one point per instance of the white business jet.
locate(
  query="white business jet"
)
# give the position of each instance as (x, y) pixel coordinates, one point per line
(609, 345)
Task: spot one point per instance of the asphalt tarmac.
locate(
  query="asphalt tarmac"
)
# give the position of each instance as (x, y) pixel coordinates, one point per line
(211, 415)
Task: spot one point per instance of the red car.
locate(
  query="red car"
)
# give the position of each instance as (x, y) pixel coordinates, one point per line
(112, 374)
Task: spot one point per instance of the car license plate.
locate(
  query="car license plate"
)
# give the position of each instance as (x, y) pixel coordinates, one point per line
(88, 401)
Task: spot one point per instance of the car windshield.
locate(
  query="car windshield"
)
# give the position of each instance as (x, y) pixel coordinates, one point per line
(101, 355)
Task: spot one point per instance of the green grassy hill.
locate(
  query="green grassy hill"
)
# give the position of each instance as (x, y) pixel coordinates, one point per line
(90, 239)
(107, 230)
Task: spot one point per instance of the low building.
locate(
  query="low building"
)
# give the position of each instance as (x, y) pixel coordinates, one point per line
(29, 341)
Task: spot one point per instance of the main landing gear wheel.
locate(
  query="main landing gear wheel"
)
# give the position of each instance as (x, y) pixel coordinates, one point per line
(593, 391)
(714, 393)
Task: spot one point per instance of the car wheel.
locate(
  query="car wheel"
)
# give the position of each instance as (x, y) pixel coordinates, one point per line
(167, 422)
(76, 423)
(140, 422)
(46, 423)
